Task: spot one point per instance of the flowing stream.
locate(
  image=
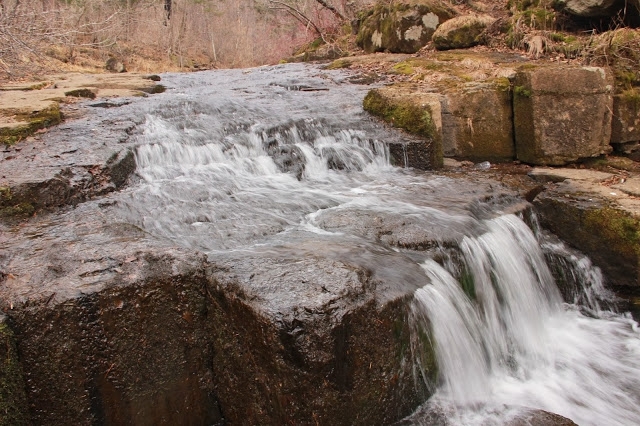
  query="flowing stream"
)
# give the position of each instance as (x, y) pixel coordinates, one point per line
(247, 160)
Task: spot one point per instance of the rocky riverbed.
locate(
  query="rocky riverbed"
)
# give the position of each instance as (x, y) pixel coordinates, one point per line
(244, 248)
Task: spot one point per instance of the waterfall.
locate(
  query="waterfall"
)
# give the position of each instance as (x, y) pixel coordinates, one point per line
(232, 163)
(503, 338)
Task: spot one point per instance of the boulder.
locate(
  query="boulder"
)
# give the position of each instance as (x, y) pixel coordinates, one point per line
(403, 27)
(561, 113)
(289, 328)
(461, 32)
(477, 121)
(591, 8)
(415, 111)
(115, 65)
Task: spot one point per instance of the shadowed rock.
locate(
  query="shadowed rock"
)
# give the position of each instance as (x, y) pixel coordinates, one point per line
(625, 126)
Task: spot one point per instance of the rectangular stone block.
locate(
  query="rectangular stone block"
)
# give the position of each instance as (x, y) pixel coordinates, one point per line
(411, 109)
(477, 121)
(625, 126)
(561, 113)
(414, 154)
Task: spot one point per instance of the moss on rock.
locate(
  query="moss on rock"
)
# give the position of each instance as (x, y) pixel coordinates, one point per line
(606, 233)
(34, 121)
(17, 211)
(81, 93)
(620, 50)
(618, 230)
(13, 401)
(413, 112)
(402, 27)
(461, 32)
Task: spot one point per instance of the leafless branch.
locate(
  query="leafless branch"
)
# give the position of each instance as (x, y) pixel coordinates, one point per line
(333, 10)
(301, 17)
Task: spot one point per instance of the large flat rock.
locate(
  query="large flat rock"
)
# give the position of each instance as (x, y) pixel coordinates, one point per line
(148, 333)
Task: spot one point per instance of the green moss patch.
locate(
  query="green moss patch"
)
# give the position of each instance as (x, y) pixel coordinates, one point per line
(81, 93)
(35, 121)
(403, 67)
(339, 64)
(618, 230)
(522, 91)
(403, 114)
(632, 96)
(18, 211)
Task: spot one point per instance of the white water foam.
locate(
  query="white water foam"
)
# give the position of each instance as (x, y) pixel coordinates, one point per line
(511, 342)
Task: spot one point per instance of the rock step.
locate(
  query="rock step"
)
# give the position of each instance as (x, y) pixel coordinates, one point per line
(116, 327)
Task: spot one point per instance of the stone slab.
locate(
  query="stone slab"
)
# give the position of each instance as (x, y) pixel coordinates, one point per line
(630, 186)
(625, 126)
(547, 174)
(477, 121)
(561, 113)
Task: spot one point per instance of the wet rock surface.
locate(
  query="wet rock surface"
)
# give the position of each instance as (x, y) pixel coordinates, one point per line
(76, 162)
(152, 331)
(589, 210)
(171, 336)
(434, 415)
(13, 398)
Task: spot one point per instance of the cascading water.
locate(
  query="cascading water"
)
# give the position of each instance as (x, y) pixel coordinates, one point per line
(236, 162)
(508, 341)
